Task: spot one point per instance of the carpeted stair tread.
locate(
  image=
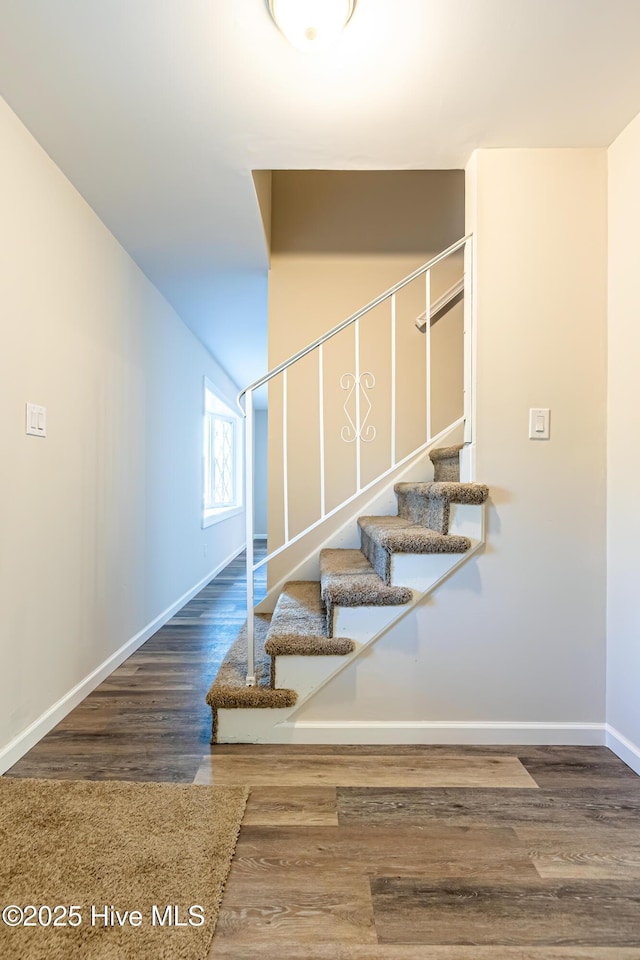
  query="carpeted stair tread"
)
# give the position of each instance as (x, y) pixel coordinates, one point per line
(445, 453)
(447, 490)
(429, 503)
(299, 628)
(347, 579)
(401, 536)
(229, 688)
(380, 537)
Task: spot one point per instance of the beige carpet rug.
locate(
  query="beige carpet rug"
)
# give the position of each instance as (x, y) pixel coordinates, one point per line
(158, 849)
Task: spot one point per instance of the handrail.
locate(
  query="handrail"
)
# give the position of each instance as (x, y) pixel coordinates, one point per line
(441, 305)
(347, 323)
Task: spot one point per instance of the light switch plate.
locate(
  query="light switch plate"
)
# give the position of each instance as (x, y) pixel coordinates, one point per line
(36, 420)
(539, 423)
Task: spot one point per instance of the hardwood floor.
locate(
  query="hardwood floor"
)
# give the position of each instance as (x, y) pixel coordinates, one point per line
(149, 720)
(539, 912)
(373, 853)
(382, 770)
(490, 869)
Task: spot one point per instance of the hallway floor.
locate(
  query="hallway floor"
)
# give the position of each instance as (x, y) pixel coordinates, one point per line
(431, 853)
(373, 853)
(149, 719)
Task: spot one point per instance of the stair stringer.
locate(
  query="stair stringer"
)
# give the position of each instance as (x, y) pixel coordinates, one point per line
(366, 625)
(381, 501)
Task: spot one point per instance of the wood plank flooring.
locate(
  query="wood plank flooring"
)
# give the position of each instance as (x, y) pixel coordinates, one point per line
(256, 770)
(539, 913)
(582, 807)
(373, 853)
(507, 872)
(149, 720)
(309, 806)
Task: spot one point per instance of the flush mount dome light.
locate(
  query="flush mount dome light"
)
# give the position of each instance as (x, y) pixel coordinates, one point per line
(311, 25)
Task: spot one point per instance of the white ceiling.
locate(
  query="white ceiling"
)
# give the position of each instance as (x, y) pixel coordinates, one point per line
(157, 110)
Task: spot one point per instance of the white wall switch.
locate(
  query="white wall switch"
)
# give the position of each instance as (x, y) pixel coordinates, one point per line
(538, 423)
(36, 420)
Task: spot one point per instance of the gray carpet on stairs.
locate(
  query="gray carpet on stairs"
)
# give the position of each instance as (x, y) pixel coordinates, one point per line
(299, 624)
(348, 580)
(229, 689)
(446, 462)
(429, 503)
(302, 621)
(382, 536)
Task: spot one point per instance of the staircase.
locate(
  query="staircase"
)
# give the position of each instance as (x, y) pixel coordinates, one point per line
(344, 586)
(319, 626)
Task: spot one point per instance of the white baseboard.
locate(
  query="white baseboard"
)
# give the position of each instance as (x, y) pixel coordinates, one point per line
(25, 740)
(432, 732)
(624, 748)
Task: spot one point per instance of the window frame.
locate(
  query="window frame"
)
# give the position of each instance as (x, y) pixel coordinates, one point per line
(219, 408)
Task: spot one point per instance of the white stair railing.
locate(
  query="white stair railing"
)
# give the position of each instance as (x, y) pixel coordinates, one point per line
(439, 307)
(358, 430)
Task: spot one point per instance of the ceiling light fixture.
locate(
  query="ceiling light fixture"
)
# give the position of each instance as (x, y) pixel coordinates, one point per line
(311, 25)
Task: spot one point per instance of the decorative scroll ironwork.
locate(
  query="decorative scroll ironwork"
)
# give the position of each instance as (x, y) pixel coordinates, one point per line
(363, 383)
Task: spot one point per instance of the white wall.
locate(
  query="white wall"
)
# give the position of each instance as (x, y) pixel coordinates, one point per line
(623, 452)
(101, 521)
(519, 633)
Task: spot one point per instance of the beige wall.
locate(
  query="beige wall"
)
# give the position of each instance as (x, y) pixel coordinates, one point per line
(262, 180)
(260, 463)
(623, 613)
(519, 633)
(101, 521)
(338, 240)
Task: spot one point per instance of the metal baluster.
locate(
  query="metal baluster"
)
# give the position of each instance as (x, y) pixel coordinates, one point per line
(248, 438)
(427, 332)
(285, 458)
(321, 427)
(393, 380)
(358, 425)
(468, 340)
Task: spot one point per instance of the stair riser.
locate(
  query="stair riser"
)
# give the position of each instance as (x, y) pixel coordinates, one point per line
(447, 469)
(431, 512)
(304, 674)
(422, 571)
(364, 623)
(246, 725)
(467, 520)
(382, 561)
(376, 556)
